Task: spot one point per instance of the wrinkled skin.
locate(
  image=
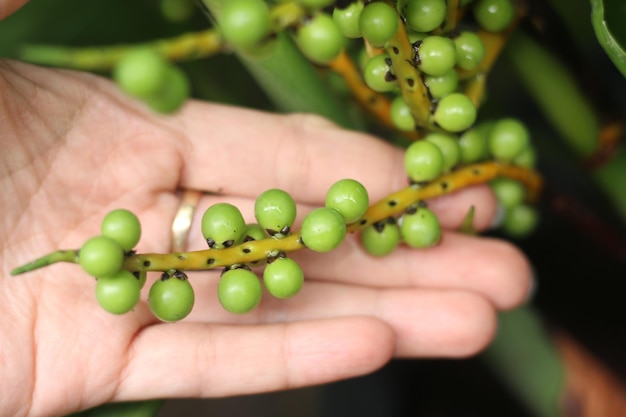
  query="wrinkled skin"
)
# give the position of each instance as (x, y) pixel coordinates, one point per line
(74, 148)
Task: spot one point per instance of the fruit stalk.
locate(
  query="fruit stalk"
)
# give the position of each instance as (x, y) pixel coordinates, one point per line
(260, 250)
(375, 103)
(409, 78)
(188, 46)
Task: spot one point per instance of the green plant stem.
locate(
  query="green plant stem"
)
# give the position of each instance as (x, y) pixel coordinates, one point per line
(188, 46)
(524, 357)
(556, 92)
(611, 44)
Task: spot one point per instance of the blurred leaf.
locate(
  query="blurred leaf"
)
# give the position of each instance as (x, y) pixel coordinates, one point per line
(288, 78)
(524, 356)
(608, 18)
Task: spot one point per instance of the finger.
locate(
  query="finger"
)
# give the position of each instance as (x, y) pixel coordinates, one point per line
(427, 322)
(492, 268)
(209, 360)
(7, 7)
(236, 151)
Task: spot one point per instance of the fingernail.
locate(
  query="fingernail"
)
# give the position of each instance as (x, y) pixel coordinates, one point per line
(498, 218)
(532, 288)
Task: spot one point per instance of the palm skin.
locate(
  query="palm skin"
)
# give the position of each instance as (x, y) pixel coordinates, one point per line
(74, 148)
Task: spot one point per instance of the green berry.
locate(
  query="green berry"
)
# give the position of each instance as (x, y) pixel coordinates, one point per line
(171, 298)
(473, 143)
(508, 138)
(470, 50)
(423, 161)
(349, 198)
(177, 10)
(122, 226)
(442, 85)
(118, 293)
(455, 112)
(275, 211)
(420, 229)
(378, 23)
(436, 55)
(323, 229)
(223, 225)
(283, 278)
(245, 23)
(141, 72)
(377, 74)
(510, 193)
(494, 15)
(416, 36)
(401, 116)
(449, 147)
(381, 238)
(254, 232)
(347, 19)
(319, 39)
(239, 290)
(101, 256)
(424, 15)
(173, 94)
(520, 221)
(527, 158)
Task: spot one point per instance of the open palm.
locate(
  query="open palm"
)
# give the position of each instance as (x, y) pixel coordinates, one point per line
(73, 148)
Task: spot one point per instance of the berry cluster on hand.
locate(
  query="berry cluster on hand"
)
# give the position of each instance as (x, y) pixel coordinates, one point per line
(434, 166)
(414, 59)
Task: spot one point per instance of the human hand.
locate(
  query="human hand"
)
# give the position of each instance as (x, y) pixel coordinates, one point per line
(74, 148)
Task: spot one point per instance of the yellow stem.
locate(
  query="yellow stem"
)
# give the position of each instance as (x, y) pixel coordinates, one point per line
(412, 86)
(393, 205)
(258, 251)
(375, 103)
(476, 79)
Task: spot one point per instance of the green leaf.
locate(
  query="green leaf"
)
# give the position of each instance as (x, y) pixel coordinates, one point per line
(289, 79)
(607, 17)
(556, 91)
(523, 355)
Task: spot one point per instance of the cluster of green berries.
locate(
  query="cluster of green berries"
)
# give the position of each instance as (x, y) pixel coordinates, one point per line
(239, 290)
(321, 36)
(330, 26)
(322, 230)
(327, 29)
(118, 290)
(506, 140)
